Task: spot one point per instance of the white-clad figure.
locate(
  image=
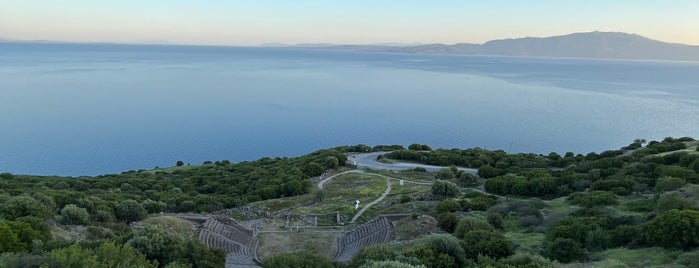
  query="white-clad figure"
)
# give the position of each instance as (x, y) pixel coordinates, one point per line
(357, 205)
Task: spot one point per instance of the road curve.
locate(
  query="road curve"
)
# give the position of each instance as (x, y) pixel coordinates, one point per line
(368, 161)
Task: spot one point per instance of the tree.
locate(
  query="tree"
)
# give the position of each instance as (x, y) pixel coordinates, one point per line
(73, 214)
(444, 189)
(179, 163)
(674, 229)
(130, 210)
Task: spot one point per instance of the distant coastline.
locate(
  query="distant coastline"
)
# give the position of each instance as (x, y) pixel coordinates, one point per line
(595, 45)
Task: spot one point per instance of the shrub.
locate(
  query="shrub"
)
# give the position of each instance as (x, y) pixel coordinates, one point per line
(592, 199)
(674, 229)
(565, 250)
(486, 243)
(130, 210)
(448, 221)
(468, 224)
(668, 184)
(444, 189)
(496, 220)
(448, 205)
(73, 214)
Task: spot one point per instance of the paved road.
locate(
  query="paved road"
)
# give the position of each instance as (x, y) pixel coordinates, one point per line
(368, 160)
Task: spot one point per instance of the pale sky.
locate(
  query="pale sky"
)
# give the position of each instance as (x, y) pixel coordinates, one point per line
(253, 22)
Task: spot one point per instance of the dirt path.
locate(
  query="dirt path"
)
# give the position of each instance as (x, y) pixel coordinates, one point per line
(385, 193)
(321, 183)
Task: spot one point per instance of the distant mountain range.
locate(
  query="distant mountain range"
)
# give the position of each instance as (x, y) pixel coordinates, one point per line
(611, 45)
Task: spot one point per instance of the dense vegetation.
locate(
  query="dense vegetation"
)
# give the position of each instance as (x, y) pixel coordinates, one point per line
(31, 207)
(577, 206)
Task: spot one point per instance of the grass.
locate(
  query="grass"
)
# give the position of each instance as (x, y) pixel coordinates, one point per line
(180, 227)
(320, 243)
(526, 242)
(624, 257)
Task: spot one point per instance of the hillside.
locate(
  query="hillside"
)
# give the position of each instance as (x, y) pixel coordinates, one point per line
(630, 207)
(610, 45)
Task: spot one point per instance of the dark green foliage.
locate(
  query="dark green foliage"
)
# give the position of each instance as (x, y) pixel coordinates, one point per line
(496, 220)
(673, 200)
(598, 239)
(21, 206)
(486, 243)
(404, 198)
(130, 210)
(674, 229)
(105, 256)
(487, 172)
(166, 248)
(468, 224)
(448, 221)
(379, 252)
(297, 260)
(73, 214)
(439, 250)
(565, 250)
(592, 199)
(482, 203)
(444, 189)
(9, 242)
(448, 205)
(444, 174)
(419, 147)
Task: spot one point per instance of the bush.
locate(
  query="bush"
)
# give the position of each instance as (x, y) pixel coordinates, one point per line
(448, 205)
(468, 224)
(598, 239)
(496, 220)
(565, 250)
(404, 198)
(444, 189)
(592, 199)
(73, 214)
(448, 221)
(486, 243)
(674, 229)
(668, 184)
(379, 252)
(130, 210)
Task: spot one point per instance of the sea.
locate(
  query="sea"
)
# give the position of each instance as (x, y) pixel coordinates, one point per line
(91, 109)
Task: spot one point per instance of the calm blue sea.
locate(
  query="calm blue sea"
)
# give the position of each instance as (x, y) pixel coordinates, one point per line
(76, 109)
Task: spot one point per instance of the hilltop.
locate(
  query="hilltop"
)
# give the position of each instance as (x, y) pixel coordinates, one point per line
(608, 45)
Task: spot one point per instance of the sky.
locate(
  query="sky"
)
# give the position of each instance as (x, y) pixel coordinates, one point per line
(254, 22)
